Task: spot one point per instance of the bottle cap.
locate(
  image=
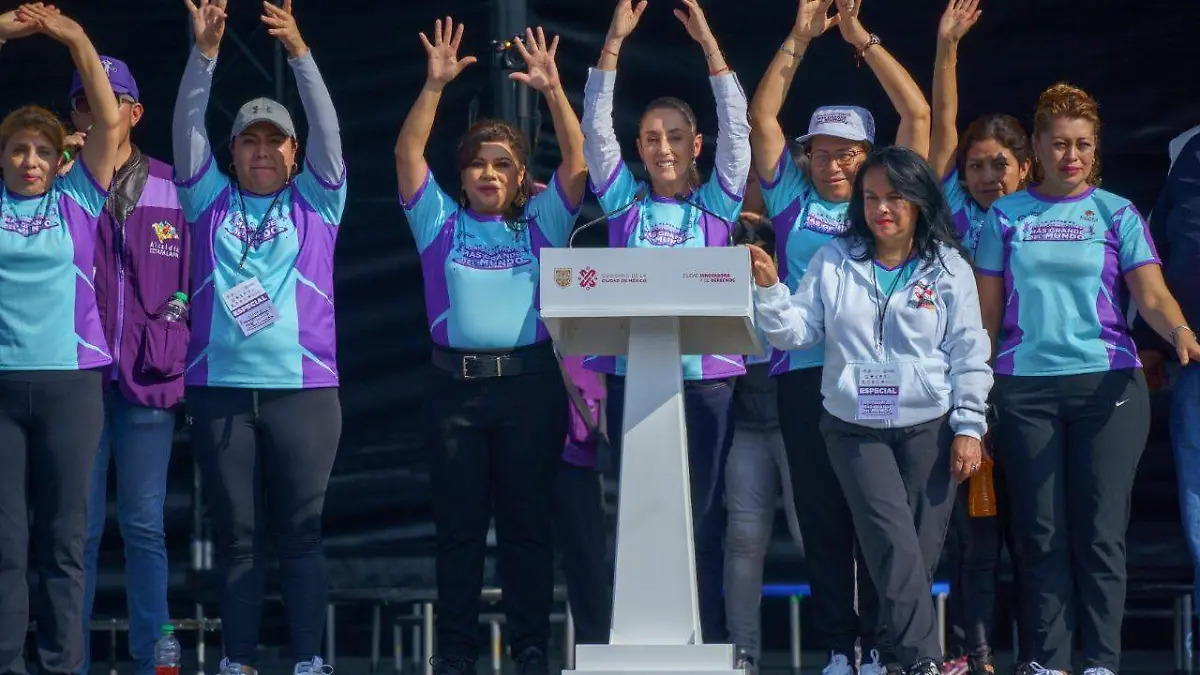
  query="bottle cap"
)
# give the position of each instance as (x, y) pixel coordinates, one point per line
(168, 629)
(181, 296)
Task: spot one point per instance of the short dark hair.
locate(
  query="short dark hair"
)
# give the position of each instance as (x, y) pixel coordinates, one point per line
(912, 177)
(1004, 129)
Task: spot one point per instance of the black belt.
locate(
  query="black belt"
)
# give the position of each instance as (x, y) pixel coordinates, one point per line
(461, 365)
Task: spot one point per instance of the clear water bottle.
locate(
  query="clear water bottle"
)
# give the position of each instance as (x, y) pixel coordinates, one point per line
(176, 308)
(167, 652)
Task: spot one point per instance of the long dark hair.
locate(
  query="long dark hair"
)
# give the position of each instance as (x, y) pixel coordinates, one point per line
(911, 176)
(680, 106)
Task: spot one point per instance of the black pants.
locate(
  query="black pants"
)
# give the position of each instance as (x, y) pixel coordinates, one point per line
(973, 552)
(495, 444)
(1070, 447)
(265, 456)
(830, 550)
(50, 424)
(898, 485)
(580, 531)
(708, 409)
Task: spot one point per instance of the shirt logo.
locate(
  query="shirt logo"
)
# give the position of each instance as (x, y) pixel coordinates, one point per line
(665, 234)
(587, 278)
(255, 237)
(562, 276)
(492, 258)
(28, 226)
(1056, 230)
(165, 231)
(922, 296)
(825, 225)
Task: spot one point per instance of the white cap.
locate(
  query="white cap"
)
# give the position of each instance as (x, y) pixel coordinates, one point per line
(841, 121)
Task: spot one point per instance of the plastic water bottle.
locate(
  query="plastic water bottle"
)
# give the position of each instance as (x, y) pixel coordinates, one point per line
(167, 652)
(176, 308)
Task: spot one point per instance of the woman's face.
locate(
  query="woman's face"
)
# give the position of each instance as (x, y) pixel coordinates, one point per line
(833, 163)
(668, 146)
(890, 217)
(991, 171)
(264, 158)
(1067, 153)
(30, 163)
(493, 178)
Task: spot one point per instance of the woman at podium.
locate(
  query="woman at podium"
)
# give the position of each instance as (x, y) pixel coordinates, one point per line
(807, 200)
(497, 407)
(674, 208)
(905, 382)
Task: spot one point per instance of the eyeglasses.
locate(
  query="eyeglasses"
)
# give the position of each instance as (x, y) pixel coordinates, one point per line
(843, 158)
(80, 103)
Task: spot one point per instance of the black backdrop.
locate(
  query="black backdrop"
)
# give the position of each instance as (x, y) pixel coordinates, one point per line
(1137, 59)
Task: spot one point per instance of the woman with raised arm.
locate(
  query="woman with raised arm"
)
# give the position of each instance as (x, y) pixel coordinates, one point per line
(52, 349)
(1054, 265)
(992, 158)
(262, 379)
(807, 201)
(496, 403)
(676, 209)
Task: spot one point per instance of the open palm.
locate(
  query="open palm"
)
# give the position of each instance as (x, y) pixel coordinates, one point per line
(13, 26)
(542, 73)
(812, 18)
(444, 64)
(960, 15)
(694, 21)
(50, 22)
(208, 23)
(625, 18)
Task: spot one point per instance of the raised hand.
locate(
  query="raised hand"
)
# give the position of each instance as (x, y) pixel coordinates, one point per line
(958, 18)
(283, 27)
(208, 24)
(695, 23)
(625, 19)
(812, 19)
(763, 267)
(444, 64)
(49, 21)
(852, 30)
(12, 26)
(543, 71)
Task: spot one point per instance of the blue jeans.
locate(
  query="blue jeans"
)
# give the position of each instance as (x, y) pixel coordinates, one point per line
(139, 439)
(1185, 439)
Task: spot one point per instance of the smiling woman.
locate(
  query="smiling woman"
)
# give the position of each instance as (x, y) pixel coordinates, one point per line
(496, 404)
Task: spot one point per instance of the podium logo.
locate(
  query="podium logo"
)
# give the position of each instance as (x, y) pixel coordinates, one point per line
(562, 276)
(710, 277)
(587, 277)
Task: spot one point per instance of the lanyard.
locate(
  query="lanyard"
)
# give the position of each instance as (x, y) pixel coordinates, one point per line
(881, 308)
(262, 224)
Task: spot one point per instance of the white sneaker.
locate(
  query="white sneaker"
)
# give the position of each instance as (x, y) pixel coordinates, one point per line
(872, 667)
(1098, 671)
(1035, 668)
(838, 665)
(233, 668)
(314, 667)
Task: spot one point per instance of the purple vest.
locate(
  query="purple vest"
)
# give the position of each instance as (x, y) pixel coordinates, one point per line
(139, 266)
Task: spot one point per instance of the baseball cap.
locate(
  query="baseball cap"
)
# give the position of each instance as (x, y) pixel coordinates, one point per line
(841, 121)
(119, 77)
(263, 110)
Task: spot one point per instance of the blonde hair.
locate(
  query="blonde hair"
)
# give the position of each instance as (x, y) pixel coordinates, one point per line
(1071, 102)
(37, 119)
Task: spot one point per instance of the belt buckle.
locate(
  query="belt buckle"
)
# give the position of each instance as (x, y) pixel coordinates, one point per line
(473, 359)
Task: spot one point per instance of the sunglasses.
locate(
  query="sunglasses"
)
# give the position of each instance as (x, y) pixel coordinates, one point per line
(80, 103)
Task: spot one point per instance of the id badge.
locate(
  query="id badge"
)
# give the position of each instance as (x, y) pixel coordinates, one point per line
(878, 392)
(250, 306)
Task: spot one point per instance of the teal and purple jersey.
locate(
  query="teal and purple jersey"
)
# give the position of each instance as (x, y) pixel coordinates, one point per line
(290, 251)
(968, 216)
(48, 315)
(481, 272)
(284, 240)
(1063, 263)
(642, 219)
(804, 222)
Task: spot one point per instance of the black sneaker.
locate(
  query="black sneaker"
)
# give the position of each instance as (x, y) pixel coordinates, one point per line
(745, 661)
(925, 667)
(452, 665)
(532, 661)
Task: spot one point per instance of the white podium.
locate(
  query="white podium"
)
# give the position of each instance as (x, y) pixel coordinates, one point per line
(652, 305)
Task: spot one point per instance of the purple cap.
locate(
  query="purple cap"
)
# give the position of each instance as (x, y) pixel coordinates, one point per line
(118, 76)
